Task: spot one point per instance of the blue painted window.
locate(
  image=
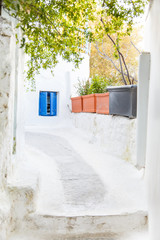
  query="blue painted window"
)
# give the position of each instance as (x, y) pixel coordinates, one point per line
(47, 103)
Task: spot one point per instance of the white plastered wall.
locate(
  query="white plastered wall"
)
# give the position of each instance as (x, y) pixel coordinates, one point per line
(116, 135)
(153, 138)
(11, 123)
(6, 120)
(64, 82)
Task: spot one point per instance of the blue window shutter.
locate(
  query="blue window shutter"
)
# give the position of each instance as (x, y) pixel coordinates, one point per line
(53, 103)
(43, 104)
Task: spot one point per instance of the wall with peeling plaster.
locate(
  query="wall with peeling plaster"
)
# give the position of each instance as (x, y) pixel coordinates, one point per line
(6, 121)
(11, 82)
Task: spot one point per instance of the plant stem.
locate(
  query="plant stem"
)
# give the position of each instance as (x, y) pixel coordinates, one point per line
(124, 62)
(120, 56)
(1, 7)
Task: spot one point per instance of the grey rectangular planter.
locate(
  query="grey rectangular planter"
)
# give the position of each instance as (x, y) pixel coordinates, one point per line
(123, 100)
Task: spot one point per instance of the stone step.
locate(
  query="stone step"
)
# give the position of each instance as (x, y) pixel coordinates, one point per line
(142, 235)
(109, 227)
(22, 188)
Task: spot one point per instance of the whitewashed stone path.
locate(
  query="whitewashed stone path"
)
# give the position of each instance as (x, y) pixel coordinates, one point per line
(81, 185)
(80, 191)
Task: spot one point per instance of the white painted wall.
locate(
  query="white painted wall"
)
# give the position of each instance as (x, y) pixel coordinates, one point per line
(142, 107)
(115, 134)
(11, 116)
(63, 81)
(17, 89)
(153, 139)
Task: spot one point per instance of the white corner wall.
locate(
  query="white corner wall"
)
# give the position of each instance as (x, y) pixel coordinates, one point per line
(6, 122)
(153, 134)
(6, 99)
(11, 116)
(63, 81)
(142, 107)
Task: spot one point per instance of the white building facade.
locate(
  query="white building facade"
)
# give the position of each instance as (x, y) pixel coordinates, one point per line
(63, 82)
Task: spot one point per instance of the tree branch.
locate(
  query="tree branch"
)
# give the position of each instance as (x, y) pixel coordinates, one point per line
(30, 5)
(119, 53)
(120, 56)
(106, 57)
(135, 47)
(103, 3)
(120, 62)
(124, 62)
(1, 7)
(134, 6)
(47, 17)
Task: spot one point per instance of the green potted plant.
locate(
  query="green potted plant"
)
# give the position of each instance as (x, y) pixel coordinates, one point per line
(88, 99)
(93, 96)
(77, 102)
(93, 101)
(98, 87)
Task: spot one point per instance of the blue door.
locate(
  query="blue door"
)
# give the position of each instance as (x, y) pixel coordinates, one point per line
(53, 103)
(43, 104)
(48, 104)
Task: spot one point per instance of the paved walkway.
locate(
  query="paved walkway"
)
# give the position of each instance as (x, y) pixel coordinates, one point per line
(79, 186)
(77, 178)
(78, 191)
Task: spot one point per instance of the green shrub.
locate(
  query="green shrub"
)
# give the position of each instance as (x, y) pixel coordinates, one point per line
(83, 87)
(98, 85)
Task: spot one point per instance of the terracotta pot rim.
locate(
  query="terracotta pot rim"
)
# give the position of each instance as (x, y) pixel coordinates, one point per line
(89, 95)
(102, 94)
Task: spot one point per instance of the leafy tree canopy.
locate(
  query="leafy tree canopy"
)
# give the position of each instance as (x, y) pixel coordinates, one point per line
(115, 21)
(53, 28)
(118, 16)
(103, 62)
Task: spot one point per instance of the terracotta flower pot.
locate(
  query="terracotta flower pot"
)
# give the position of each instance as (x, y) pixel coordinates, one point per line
(102, 103)
(77, 104)
(89, 103)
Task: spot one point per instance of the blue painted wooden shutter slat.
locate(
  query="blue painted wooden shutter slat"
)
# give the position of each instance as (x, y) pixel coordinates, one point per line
(53, 103)
(43, 104)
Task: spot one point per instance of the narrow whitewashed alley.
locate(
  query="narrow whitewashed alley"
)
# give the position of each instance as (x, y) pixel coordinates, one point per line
(79, 120)
(78, 190)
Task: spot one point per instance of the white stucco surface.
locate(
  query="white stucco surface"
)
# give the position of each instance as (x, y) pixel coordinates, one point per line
(63, 82)
(10, 81)
(153, 149)
(142, 108)
(115, 134)
(6, 99)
